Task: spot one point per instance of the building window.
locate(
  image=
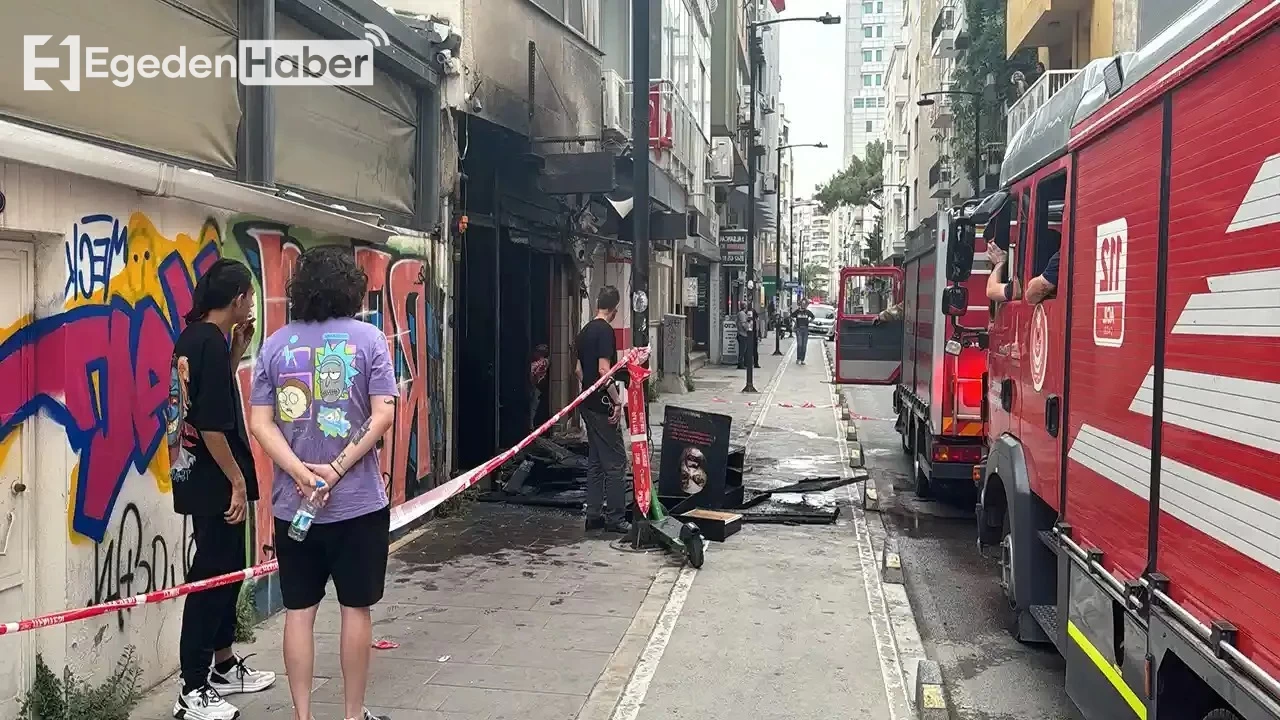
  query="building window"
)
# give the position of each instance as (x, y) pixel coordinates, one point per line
(866, 80)
(857, 103)
(879, 56)
(882, 103)
(868, 31)
(879, 31)
(879, 7)
(866, 7)
(879, 79)
(870, 125)
(866, 56)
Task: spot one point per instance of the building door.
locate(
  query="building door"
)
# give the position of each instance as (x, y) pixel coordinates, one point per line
(16, 494)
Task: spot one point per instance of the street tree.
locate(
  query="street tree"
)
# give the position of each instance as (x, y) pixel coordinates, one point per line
(874, 253)
(986, 56)
(859, 182)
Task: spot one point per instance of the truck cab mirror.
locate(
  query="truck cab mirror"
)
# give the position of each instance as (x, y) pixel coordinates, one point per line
(960, 250)
(955, 301)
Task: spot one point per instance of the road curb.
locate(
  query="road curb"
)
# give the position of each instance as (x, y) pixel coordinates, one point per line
(930, 697)
(891, 564)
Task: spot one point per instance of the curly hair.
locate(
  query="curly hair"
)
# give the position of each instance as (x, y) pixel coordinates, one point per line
(326, 284)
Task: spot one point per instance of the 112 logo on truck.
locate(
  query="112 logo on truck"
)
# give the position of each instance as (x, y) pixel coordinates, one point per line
(1110, 271)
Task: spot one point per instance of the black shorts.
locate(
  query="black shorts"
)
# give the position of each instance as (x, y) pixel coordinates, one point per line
(353, 552)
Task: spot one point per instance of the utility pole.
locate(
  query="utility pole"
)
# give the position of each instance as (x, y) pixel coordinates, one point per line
(640, 173)
(640, 206)
(748, 284)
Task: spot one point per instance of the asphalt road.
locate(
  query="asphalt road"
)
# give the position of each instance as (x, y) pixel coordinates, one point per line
(959, 607)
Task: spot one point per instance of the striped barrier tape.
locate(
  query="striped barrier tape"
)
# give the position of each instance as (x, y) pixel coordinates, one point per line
(401, 516)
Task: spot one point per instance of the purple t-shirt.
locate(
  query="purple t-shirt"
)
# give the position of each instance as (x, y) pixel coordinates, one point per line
(319, 378)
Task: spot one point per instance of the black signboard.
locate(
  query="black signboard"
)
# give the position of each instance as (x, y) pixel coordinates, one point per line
(733, 252)
(695, 456)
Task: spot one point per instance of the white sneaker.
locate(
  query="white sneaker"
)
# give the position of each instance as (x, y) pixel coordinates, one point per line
(204, 704)
(241, 679)
(370, 716)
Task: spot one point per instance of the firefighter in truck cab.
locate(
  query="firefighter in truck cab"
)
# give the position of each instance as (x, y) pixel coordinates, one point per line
(1039, 288)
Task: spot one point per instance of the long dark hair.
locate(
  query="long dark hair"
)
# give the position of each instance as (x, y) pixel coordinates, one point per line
(326, 284)
(218, 288)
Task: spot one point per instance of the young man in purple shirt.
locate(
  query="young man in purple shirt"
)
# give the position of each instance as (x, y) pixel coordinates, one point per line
(323, 393)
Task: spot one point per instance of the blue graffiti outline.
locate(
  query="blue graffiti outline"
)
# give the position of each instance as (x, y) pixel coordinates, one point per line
(81, 438)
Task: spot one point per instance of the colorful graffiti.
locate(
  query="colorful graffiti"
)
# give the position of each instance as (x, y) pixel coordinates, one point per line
(404, 302)
(100, 367)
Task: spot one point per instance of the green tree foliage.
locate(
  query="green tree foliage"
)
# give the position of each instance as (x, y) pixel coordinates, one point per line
(816, 277)
(855, 184)
(986, 56)
(874, 254)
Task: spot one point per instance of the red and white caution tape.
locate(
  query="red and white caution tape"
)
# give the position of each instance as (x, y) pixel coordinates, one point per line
(401, 516)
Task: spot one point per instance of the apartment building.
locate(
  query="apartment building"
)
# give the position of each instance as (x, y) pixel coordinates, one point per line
(872, 28)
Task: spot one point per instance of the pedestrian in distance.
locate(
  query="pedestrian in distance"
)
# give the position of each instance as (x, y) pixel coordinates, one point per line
(800, 318)
(744, 335)
(212, 476)
(757, 332)
(601, 412)
(324, 391)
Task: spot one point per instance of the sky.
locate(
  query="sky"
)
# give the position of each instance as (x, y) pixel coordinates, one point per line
(813, 89)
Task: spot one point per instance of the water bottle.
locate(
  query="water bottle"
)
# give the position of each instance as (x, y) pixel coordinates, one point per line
(307, 510)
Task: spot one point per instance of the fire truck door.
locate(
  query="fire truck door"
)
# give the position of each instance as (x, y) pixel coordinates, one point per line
(869, 351)
(1004, 358)
(1043, 328)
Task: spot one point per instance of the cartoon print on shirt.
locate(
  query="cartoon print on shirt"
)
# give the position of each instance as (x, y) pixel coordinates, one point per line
(175, 415)
(293, 399)
(333, 422)
(335, 368)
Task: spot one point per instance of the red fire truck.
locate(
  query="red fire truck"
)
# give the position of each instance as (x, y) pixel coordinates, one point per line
(1134, 418)
(939, 397)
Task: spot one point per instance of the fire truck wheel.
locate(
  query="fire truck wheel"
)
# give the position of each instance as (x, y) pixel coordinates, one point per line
(1221, 714)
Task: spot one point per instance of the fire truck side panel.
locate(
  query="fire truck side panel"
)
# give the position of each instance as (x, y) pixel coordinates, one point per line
(1118, 197)
(1219, 531)
(910, 311)
(920, 333)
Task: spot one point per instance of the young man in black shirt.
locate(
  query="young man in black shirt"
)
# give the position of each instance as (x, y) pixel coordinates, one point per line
(211, 468)
(597, 352)
(801, 317)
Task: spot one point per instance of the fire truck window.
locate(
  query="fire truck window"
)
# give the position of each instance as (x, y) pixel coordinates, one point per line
(1051, 196)
(1018, 236)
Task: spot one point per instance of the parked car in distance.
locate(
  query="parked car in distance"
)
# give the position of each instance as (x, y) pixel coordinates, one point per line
(824, 321)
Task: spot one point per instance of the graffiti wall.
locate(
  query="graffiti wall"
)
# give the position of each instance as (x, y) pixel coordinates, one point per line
(111, 288)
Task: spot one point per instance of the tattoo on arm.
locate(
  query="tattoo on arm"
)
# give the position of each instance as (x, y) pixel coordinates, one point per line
(359, 434)
(389, 400)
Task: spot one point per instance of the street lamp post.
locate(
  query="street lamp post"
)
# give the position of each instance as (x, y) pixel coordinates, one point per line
(754, 61)
(777, 241)
(926, 99)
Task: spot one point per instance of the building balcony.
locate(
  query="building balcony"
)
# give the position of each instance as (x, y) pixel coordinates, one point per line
(676, 142)
(944, 32)
(1041, 23)
(940, 179)
(942, 112)
(1045, 87)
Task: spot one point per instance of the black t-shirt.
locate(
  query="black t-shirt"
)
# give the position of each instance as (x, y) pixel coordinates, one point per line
(204, 396)
(802, 317)
(596, 341)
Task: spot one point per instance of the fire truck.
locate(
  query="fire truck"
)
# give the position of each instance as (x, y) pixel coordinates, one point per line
(938, 400)
(1134, 416)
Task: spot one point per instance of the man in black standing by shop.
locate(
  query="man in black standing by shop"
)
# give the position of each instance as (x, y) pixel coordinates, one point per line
(212, 474)
(601, 413)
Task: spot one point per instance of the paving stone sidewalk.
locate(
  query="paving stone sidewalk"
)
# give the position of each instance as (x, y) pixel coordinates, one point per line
(504, 612)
